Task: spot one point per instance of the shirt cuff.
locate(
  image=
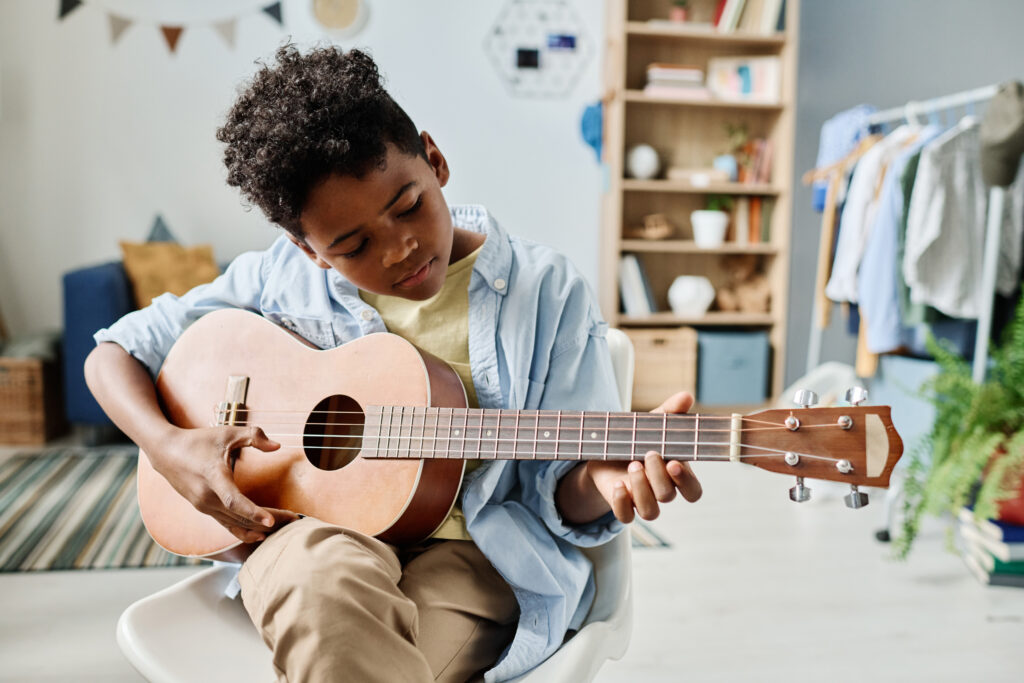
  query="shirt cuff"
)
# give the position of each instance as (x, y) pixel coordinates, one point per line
(594, 533)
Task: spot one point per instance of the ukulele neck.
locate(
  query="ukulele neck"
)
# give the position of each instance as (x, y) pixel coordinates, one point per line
(480, 434)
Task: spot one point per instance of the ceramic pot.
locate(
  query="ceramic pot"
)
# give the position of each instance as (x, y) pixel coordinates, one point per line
(709, 228)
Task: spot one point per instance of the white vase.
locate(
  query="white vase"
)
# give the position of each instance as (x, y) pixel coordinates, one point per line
(690, 296)
(709, 228)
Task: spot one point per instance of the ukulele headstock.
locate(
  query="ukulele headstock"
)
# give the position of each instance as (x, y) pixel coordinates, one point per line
(855, 445)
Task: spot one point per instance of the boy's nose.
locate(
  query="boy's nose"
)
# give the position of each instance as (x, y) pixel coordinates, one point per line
(400, 251)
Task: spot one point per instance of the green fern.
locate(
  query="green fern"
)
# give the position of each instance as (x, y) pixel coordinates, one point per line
(973, 423)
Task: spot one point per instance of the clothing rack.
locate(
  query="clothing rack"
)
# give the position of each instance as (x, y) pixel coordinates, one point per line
(914, 111)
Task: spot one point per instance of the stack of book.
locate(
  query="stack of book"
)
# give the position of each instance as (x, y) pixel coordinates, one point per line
(749, 16)
(676, 81)
(993, 550)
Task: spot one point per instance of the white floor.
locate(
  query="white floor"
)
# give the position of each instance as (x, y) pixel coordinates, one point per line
(754, 588)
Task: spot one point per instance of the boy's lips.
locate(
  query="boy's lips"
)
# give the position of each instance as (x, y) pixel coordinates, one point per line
(417, 277)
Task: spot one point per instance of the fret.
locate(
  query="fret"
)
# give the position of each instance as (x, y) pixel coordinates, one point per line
(620, 436)
(480, 438)
(448, 435)
(593, 436)
(696, 435)
(437, 432)
(536, 432)
(570, 435)
(391, 421)
(632, 453)
(647, 430)
(402, 439)
(664, 435)
(547, 427)
(461, 453)
(496, 435)
(526, 425)
(607, 434)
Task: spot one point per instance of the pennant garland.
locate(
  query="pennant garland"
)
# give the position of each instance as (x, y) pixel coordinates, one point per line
(171, 33)
(118, 25)
(67, 7)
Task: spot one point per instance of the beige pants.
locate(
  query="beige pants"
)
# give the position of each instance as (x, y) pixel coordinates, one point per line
(336, 605)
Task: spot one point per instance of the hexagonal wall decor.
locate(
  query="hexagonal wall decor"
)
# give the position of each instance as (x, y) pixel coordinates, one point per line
(538, 47)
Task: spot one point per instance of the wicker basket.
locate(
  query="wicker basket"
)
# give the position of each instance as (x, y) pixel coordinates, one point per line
(30, 405)
(666, 362)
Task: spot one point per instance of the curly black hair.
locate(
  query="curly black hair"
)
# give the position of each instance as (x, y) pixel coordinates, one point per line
(307, 117)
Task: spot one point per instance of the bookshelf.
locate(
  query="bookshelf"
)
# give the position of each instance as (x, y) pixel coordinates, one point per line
(690, 133)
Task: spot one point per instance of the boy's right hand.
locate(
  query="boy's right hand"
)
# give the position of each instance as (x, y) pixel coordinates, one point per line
(198, 463)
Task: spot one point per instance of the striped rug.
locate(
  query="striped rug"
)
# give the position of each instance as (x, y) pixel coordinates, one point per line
(77, 509)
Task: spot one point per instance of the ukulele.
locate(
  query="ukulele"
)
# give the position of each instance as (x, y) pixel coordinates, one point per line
(374, 434)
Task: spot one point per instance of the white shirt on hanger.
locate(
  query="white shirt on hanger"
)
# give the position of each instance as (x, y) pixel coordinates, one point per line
(945, 239)
(859, 211)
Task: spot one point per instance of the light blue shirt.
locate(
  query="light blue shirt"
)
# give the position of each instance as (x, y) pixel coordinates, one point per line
(536, 341)
(878, 274)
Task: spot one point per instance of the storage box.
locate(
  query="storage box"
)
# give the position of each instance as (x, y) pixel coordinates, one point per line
(666, 363)
(732, 367)
(31, 411)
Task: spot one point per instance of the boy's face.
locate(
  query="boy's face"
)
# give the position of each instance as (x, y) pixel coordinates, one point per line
(387, 233)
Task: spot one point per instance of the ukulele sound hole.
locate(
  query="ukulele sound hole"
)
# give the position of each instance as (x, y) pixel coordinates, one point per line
(333, 435)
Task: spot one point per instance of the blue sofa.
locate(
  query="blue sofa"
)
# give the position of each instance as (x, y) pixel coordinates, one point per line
(94, 298)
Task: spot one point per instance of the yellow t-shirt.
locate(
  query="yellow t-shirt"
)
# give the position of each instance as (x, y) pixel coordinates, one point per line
(438, 325)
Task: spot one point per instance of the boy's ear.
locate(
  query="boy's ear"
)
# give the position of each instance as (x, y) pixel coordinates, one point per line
(435, 159)
(308, 252)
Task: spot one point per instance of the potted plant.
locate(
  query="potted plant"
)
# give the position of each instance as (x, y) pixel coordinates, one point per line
(974, 453)
(710, 223)
(678, 10)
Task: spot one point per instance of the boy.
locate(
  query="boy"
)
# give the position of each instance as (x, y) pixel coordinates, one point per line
(371, 245)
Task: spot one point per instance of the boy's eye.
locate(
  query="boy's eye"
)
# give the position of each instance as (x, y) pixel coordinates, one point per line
(355, 252)
(412, 209)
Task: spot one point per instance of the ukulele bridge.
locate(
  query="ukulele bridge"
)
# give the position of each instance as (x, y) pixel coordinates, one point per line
(231, 411)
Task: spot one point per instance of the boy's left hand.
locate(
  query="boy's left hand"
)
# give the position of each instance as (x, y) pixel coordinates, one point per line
(640, 488)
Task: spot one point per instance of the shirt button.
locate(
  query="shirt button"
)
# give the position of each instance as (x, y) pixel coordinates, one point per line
(499, 284)
(367, 314)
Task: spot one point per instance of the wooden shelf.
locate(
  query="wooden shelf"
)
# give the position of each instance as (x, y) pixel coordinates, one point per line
(690, 247)
(666, 30)
(638, 96)
(632, 185)
(710, 318)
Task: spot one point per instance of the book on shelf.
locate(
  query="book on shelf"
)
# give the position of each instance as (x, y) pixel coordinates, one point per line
(995, 529)
(751, 220)
(665, 73)
(634, 287)
(759, 17)
(755, 79)
(672, 92)
(729, 18)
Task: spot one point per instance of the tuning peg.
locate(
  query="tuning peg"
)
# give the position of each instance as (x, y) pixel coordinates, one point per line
(855, 499)
(805, 398)
(856, 395)
(799, 493)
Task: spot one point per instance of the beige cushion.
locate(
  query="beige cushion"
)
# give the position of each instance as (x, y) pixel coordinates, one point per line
(158, 267)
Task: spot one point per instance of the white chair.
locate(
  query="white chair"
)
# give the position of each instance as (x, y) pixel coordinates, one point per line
(191, 631)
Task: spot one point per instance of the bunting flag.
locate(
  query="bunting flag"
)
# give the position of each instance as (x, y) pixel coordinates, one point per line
(67, 7)
(226, 29)
(118, 25)
(171, 35)
(275, 12)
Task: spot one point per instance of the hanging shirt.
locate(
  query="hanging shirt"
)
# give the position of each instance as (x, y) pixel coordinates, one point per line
(946, 223)
(839, 136)
(878, 278)
(859, 211)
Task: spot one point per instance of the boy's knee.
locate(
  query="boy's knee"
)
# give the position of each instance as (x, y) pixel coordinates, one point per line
(308, 557)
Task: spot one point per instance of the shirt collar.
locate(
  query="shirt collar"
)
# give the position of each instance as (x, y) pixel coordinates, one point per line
(494, 264)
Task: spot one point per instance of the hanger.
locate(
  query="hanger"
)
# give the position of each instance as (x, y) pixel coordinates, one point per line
(825, 172)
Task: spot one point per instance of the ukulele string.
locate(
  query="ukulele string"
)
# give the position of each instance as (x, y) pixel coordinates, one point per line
(525, 414)
(769, 452)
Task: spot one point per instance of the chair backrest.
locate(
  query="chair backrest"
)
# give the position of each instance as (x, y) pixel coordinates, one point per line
(622, 352)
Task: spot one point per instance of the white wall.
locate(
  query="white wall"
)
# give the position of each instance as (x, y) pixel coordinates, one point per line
(95, 139)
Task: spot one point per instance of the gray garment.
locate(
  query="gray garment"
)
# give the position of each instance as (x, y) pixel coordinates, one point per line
(945, 239)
